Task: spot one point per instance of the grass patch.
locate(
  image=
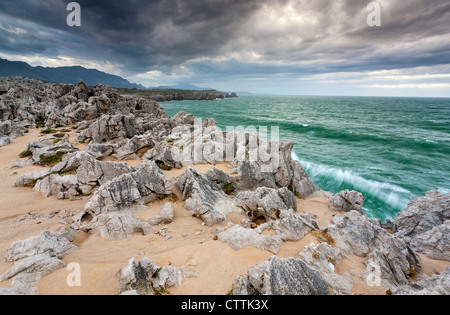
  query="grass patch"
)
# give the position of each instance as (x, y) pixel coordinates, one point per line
(69, 172)
(56, 141)
(51, 160)
(59, 135)
(164, 167)
(25, 154)
(48, 131)
(229, 189)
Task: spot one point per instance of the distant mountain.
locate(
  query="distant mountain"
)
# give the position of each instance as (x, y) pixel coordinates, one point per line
(63, 74)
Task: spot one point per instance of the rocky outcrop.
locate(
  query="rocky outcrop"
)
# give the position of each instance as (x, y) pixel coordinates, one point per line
(323, 258)
(356, 234)
(143, 185)
(48, 151)
(439, 284)
(34, 259)
(425, 225)
(164, 217)
(267, 202)
(117, 226)
(238, 237)
(281, 277)
(205, 199)
(146, 278)
(346, 201)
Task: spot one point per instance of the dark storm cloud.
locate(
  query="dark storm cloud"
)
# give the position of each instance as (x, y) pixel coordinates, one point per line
(233, 37)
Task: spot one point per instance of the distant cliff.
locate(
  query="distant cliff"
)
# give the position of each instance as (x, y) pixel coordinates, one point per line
(167, 95)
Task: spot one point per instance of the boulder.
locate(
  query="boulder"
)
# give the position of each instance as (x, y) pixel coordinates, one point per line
(439, 284)
(356, 234)
(238, 237)
(145, 184)
(146, 278)
(346, 201)
(424, 225)
(164, 217)
(324, 258)
(204, 198)
(281, 277)
(117, 226)
(266, 202)
(33, 259)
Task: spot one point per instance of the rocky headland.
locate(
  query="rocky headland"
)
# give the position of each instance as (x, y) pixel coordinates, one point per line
(150, 204)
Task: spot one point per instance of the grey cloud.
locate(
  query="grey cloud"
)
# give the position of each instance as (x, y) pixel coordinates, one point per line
(139, 36)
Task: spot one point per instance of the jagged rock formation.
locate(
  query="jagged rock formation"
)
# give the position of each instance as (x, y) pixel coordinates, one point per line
(146, 278)
(425, 225)
(346, 201)
(33, 259)
(356, 234)
(204, 198)
(145, 184)
(281, 277)
(437, 285)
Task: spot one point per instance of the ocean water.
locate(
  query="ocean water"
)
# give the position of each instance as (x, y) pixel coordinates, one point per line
(390, 149)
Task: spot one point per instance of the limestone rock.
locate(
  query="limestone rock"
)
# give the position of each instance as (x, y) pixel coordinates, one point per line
(291, 227)
(146, 278)
(238, 237)
(64, 187)
(164, 217)
(204, 198)
(356, 234)
(33, 259)
(117, 226)
(324, 258)
(346, 201)
(424, 226)
(97, 173)
(147, 182)
(267, 202)
(281, 277)
(437, 285)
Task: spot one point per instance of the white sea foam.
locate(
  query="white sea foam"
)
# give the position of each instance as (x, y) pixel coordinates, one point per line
(393, 195)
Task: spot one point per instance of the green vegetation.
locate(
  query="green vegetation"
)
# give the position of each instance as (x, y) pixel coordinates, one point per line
(25, 154)
(163, 166)
(228, 189)
(48, 131)
(59, 135)
(51, 160)
(56, 141)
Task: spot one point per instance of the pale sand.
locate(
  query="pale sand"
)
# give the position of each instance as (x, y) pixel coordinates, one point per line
(215, 262)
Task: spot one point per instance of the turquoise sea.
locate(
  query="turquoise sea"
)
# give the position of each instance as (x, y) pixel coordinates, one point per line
(390, 149)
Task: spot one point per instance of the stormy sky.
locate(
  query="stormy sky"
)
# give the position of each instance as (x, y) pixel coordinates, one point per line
(318, 47)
